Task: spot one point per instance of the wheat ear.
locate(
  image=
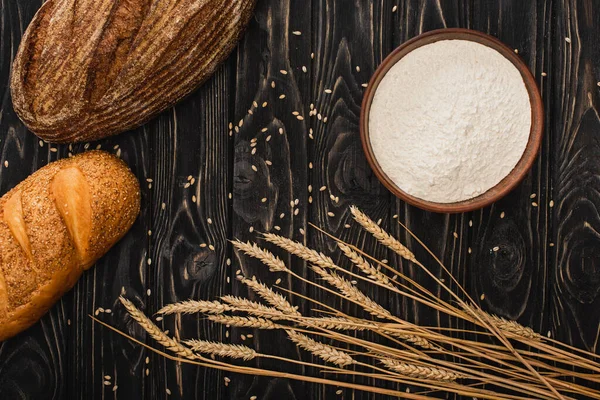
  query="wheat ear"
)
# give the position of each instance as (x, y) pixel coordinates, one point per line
(243, 322)
(195, 306)
(274, 263)
(504, 324)
(325, 352)
(417, 371)
(299, 250)
(253, 307)
(221, 349)
(320, 262)
(273, 298)
(345, 324)
(353, 293)
(156, 333)
(382, 236)
(365, 266)
(336, 323)
(413, 339)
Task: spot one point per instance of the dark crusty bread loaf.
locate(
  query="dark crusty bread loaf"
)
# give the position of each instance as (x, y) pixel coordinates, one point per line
(54, 225)
(88, 69)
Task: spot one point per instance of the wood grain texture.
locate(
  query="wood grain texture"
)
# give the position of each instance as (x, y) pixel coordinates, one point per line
(510, 242)
(545, 272)
(35, 364)
(446, 235)
(347, 51)
(270, 183)
(575, 259)
(96, 352)
(190, 225)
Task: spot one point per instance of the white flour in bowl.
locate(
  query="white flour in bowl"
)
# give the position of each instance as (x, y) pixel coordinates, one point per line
(450, 120)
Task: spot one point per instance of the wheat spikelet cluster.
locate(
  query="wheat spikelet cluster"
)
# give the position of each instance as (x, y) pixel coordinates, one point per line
(155, 332)
(243, 322)
(222, 350)
(337, 323)
(270, 296)
(352, 292)
(364, 265)
(414, 339)
(515, 327)
(504, 324)
(417, 371)
(252, 307)
(274, 263)
(299, 250)
(344, 324)
(195, 306)
(321, 350)
(382, 236)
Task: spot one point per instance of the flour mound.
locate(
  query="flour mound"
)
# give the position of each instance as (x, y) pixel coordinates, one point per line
(450, 120)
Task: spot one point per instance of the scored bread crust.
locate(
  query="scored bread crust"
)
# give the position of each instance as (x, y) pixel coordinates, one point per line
(88, 69)
(54, 225)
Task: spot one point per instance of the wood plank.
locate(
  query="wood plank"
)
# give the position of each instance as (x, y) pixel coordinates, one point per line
(445, 235)
(96, 352)
(509, 267)
(53, 349)
(544, 273)
(574, 308)
(74, 357)
(270, 179)
(190, 225)
(350, 41)
(33, 364)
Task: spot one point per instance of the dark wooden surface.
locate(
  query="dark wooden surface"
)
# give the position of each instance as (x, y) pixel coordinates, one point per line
(546, 273)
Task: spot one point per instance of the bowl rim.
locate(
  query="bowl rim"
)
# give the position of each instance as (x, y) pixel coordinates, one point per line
(530, 153)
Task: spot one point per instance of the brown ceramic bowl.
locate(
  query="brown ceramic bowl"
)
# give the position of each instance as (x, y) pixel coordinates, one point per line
(535, 136)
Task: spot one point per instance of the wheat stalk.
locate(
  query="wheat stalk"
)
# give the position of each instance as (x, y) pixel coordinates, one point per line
(504, 324)
(365, 266)
(371, 306)
(392, 243)
(243, 322)
(299, 250)
(274, 263)
(478, 360)
(417, 371)
(195, 306)
(156, 333)
(353, 293)
(265, 372)
(273, 298)
(320, 262)
(345, 324)
(382, 236)
(336, 323)
(253, 308)
(321, 350)
(413, 339)
(221, 349)
(471, 391)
